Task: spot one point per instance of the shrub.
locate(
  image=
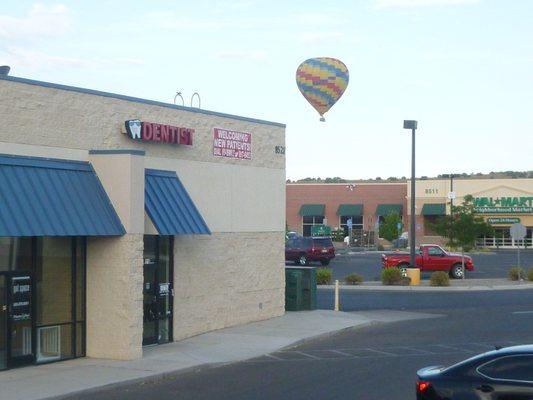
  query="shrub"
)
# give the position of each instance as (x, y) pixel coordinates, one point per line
(391, 276)
(530, 274)
(439, 278)
(323, 276)
(337, 235)
(516, 274)
(353, 279)
(380, 247)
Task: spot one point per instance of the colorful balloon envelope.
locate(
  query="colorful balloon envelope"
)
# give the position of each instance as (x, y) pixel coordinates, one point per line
(322, 81)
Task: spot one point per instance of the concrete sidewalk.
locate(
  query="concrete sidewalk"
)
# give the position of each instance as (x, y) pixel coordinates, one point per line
(455, 285)
(223, 346)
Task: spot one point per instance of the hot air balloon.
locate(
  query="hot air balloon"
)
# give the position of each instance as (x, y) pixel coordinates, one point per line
(322, 81)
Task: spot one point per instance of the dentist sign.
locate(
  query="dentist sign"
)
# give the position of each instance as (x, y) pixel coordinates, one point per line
(153, 132)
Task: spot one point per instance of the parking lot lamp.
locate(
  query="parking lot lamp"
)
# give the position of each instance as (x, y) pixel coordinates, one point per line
(410, 124)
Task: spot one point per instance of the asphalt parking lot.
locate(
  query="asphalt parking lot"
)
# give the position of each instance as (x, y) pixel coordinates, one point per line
(490, 264)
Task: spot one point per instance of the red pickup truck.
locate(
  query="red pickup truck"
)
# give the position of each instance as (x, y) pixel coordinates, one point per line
(430, 257)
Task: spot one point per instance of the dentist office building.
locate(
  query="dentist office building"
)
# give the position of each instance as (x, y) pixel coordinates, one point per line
(127, 222)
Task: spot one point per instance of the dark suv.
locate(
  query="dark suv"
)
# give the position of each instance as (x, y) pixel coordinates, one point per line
(303, 250)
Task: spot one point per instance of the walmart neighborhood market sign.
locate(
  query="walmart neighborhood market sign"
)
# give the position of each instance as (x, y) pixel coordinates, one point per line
(503, 205)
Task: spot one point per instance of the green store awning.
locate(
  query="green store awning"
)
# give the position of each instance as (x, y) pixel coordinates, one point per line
(308, 210)
(350, 209)
(434, 209)
(386, 209)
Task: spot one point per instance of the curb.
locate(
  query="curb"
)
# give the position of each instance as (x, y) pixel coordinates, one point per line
(143, 380)
(392, 288)
(158, 377)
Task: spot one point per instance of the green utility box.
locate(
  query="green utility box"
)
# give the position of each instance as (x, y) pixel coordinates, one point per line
(300, 288)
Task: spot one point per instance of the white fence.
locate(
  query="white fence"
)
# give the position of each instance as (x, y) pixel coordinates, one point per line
(505, 242)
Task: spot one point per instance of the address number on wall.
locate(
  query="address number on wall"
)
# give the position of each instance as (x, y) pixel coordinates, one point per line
(279, 149)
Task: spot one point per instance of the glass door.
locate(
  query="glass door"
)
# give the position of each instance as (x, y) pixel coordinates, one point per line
(20, 330)
(157, 290)
(3, 323)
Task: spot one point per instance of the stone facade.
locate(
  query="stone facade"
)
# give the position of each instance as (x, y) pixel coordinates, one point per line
(242, 279)
(114, 297)
(52, 117)
(231, 277)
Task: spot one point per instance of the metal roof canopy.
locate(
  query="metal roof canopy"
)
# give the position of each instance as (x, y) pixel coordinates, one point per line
(350, 209)
(309, 210)
(49, 197)
(434, 209)
(169, 206)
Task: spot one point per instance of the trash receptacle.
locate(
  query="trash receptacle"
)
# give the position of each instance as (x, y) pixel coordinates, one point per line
(414, 274)
(300, 288)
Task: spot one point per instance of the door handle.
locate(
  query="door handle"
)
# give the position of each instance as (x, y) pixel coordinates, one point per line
(485, 388)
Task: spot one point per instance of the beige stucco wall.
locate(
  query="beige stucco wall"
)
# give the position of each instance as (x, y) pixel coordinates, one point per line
(436, 191)
(227, 279)
(230, 277)
(52, 117)
(114, 297)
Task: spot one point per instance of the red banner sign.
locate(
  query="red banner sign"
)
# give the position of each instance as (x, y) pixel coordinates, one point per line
(152, 132)
(232, 144)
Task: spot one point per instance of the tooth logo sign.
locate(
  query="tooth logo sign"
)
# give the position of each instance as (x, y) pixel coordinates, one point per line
(154, 132)
(133, 127)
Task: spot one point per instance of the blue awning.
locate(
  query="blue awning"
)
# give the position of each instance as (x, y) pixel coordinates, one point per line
(47, 197)
(169, 206)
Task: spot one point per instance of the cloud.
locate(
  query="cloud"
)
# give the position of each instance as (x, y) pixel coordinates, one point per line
(319, 37)
(381, 4)
(168, 20)
(243, 55)
(314, 19)
(41, 21)
(19, 57)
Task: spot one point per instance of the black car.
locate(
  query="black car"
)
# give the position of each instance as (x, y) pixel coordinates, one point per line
(503, 374)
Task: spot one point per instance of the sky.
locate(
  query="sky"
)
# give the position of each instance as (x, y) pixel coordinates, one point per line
(461, 68)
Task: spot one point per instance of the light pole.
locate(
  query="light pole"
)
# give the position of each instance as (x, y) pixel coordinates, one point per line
(410, 124)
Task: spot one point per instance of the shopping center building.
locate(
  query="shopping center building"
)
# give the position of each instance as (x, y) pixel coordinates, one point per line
(501, 202)
(126, 222)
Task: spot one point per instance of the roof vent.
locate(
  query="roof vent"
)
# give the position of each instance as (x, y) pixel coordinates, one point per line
(4, 70)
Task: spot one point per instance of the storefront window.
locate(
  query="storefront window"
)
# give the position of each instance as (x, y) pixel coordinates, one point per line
(157, 290)
(357, 223)
(53, 279)
(309, 221)
(15, 254)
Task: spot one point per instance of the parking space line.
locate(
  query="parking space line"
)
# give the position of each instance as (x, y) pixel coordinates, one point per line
(416, 349)
(341, 352)
(522, 312)
(274, 357)
(380, 352)
(455, 349)
(307, 355)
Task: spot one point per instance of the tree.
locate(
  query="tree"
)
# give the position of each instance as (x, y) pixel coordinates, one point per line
(389, 227)
(462, 227)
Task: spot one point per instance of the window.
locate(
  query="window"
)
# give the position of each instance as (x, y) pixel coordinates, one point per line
(15, 254)
(60, 298)
(57, 267)
(517, 368)
(435, 252)
(309, 221)
(357, 222)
